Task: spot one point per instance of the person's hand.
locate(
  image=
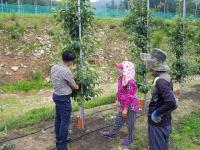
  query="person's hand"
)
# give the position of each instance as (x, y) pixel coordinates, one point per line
(117, 104)
(155, 118)
(125, 112)
(75, 86)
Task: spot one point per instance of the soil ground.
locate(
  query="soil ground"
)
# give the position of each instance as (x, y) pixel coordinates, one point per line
(189, 101)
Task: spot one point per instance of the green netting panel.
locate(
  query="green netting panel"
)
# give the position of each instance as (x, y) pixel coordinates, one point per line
(13, 8)
(110, 12)
(192, 11)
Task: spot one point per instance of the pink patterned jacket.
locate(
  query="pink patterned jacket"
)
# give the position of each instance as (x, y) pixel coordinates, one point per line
(126, 95)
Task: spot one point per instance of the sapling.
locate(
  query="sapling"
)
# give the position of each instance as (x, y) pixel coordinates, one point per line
(76, 19)
(138, 25)
(67, 17)
(177, 40)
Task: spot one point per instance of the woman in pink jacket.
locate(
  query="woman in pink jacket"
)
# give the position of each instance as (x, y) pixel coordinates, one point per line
(126, 101)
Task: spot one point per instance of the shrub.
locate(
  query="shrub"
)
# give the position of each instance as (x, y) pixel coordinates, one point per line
(157, 38)
(13, 17)
(36, 75)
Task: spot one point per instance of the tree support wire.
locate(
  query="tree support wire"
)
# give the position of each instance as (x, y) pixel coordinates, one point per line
(81, 63)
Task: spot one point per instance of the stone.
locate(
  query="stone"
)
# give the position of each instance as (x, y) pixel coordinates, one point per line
(42, 52)
(8, 73)
(15, 68)
(47, 79)
(2, 65)
(23, 66)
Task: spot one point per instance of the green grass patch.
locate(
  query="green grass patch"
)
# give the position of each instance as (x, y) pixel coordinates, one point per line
(31, 117)
(100, 101)
(187, 133)
(35, 116)
(25, 86)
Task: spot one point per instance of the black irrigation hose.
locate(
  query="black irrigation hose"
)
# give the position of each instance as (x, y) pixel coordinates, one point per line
(79, 137)
(44, 129)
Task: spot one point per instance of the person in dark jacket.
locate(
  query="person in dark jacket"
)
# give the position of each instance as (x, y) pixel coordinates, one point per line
(162, 103)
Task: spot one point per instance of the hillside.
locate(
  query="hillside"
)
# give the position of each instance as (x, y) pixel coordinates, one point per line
(29, 43)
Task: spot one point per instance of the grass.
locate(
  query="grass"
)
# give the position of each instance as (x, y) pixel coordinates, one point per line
(36, 115)
(25, 86)
(187, 133)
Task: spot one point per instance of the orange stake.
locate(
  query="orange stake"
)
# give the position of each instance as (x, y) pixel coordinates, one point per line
(79, 123)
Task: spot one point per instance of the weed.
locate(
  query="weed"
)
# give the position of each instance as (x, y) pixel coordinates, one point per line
(1, 26)
(158, 37)
(187, 133)
(13, 17)
(36, 75)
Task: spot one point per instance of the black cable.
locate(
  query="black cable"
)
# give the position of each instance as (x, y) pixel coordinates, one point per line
(44, 129)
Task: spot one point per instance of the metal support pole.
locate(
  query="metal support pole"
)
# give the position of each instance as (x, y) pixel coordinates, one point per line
(145, 80)
(104, 8)
(184, 9)
(196, 6)
(7, 6)
(184, 17)
(18, 6)
(81, 60)
(164, 8)
(36, 7)
(2, 6)
(51, 4)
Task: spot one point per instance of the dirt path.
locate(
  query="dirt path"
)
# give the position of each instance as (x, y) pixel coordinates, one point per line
(45, 141)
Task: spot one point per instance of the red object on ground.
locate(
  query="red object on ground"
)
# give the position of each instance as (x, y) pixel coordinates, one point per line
(79, 123)
(178, 92)
(141, 103)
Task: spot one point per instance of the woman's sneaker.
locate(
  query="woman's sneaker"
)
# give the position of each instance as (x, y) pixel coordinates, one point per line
(126, 142)
(106, 134)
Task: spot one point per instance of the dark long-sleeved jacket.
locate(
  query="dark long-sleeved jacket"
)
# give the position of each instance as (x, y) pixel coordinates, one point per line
(163, 100)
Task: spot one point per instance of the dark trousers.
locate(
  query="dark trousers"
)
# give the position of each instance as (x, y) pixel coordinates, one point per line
(62, 121)
(158, 137)
(120, 121)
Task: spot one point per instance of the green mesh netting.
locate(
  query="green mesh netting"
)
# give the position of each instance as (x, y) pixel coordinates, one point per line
(99, 11)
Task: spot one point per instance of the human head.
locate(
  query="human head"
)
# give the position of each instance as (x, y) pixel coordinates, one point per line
(68, 57)
(157, 61)
(127, 71)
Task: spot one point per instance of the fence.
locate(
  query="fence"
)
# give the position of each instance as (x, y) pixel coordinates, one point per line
(99, 11)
